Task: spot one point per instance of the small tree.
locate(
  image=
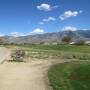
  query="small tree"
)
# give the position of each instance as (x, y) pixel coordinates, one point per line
(66, 39)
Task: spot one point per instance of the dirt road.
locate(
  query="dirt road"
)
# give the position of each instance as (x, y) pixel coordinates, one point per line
(24, 76)
(4, 54)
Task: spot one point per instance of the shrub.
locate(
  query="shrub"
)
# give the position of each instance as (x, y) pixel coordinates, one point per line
(18, 55)
(66, 39)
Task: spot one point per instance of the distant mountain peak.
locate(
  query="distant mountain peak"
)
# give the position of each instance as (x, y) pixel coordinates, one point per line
(49, 37)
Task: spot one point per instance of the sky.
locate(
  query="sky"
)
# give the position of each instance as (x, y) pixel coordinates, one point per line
(24, 17)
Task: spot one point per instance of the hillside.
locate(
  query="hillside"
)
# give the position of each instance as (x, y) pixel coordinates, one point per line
(49, 37)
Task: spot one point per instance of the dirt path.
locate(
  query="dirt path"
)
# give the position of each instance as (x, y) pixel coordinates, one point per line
(4, 54)
(23, 76)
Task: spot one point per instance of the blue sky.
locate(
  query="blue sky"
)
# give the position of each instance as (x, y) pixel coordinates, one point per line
(38, 16)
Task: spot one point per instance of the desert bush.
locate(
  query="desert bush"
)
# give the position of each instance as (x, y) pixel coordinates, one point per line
(18, 55)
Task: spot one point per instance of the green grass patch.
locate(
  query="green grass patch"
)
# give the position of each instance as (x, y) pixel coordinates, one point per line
(66, 48)
(70, 76)
(57, 51)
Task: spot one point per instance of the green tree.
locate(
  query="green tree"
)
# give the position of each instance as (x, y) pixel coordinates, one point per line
(66, 39)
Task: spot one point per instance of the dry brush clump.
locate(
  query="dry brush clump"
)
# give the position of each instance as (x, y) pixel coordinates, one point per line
(18, 55)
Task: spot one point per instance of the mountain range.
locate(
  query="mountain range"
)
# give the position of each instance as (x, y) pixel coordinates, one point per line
(49, 37)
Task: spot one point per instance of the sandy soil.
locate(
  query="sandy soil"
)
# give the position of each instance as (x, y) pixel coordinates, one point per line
(23, 76)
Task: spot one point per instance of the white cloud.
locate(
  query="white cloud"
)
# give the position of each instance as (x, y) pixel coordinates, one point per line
(46, 7)
(1, 35)
(69, 14)
(16, 34)
(37, 31)
(69, 28)
(41, 23)
(55, 6)
(47, 20)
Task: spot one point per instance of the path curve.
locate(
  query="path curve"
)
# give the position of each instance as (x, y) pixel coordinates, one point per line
(24, 76)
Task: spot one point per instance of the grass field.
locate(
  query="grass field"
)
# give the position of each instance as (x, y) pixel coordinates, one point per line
(67, 76)
(70, 76)
(57, 51)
